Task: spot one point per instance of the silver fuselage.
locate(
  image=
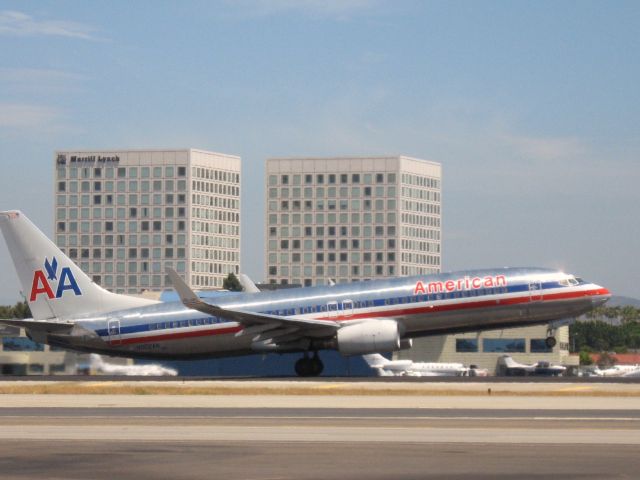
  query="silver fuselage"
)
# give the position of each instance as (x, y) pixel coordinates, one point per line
(424, 305)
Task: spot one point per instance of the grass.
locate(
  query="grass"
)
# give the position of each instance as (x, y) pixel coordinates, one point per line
(100, 388)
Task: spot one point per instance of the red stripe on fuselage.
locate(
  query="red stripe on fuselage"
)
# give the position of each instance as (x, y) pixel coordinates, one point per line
(469, 305)
(175, 336)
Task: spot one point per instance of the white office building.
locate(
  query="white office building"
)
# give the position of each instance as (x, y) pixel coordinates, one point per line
(351, 218)
(126, 215)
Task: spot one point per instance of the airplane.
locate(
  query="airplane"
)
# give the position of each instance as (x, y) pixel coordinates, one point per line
(72, 312)
(99, 365)
(400, 368)
(538, 368)
(618, 371)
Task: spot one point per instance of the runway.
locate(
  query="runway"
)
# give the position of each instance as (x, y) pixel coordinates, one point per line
(318, 430)
(112, 440)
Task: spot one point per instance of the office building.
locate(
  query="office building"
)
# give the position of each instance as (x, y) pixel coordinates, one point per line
(126, 215)
(351, 218)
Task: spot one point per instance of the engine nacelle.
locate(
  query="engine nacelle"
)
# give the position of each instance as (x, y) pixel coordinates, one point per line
(406, 343)
(373, 336)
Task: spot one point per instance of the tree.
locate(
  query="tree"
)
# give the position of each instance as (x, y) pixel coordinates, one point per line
(232, 283)
(22, 310)
(19, 310)
(585, 357)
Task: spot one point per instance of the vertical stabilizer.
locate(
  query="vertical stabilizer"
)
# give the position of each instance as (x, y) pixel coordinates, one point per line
(54, 286)
(375, 360)
(510, 362)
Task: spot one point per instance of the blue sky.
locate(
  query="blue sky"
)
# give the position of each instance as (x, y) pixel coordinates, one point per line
(531, 107)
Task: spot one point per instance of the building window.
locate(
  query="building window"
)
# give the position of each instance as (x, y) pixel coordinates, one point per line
(539, 345)
(515, 345)
(466, 345)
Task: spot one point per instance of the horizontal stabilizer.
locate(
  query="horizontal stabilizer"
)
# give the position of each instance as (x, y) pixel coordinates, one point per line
(39, 325)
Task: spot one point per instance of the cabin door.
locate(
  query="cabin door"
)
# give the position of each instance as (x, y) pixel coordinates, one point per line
(535, 291)
(113, 327)
(347, 308)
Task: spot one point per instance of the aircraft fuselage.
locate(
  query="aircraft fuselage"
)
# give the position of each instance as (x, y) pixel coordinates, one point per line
(422, 305)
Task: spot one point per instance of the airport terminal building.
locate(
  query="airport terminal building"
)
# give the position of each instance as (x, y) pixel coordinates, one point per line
(126, 215)
(351, 218)
(484, 349)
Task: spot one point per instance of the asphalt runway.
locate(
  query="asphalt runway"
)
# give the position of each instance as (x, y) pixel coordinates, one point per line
(264, 443)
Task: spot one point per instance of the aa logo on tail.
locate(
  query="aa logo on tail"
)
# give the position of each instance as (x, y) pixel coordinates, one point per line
(47, 283)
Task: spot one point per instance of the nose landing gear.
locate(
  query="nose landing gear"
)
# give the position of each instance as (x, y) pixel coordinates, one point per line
(309, 367)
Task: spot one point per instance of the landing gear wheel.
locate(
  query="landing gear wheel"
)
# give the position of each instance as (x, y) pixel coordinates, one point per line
(316, 366)
(309, 367)
(303, 367)
(550, 342)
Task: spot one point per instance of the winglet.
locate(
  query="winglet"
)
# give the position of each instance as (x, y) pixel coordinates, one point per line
(187, 296)
(247, 284)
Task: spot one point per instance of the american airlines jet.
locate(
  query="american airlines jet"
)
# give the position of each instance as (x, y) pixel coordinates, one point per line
(72, 312)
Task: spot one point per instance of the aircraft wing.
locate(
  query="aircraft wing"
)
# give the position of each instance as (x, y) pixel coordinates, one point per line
(191, 300)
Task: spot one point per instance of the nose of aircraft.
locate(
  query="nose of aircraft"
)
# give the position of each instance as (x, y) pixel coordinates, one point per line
(601, 296)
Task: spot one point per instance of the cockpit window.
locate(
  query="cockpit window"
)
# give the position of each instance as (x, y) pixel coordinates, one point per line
(571, 282)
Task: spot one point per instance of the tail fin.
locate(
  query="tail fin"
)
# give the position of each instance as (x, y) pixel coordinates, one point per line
(97, 363)
(375, 360)
(509, 362)
(55, 287)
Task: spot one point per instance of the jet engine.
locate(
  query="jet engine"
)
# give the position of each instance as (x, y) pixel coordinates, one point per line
(373, 336)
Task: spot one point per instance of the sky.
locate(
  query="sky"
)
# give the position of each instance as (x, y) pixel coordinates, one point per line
(532, 108)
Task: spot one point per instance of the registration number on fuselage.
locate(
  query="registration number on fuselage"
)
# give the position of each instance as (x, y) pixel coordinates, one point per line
(146, 347)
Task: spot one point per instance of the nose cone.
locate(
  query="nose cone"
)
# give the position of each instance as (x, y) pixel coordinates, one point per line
(601, 296)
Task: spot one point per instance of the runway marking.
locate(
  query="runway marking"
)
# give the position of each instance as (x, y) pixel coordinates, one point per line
(294, 417)
(322, 434)
(577, 389)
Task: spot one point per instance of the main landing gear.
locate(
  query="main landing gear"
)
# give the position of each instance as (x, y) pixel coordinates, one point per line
(550, 341)
(309, 367)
